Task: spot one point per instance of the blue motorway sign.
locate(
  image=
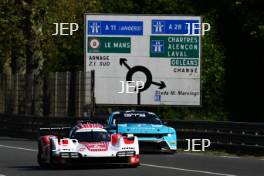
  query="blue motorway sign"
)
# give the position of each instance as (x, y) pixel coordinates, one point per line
(96, 27)
(157, 46)
(175, 27)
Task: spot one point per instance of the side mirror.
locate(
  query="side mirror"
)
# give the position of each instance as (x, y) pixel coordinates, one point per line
(114, 122)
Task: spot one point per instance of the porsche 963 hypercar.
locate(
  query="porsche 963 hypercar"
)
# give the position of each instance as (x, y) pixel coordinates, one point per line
(87, 143)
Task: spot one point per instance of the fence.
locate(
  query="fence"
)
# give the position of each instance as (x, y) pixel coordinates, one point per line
(53, 94)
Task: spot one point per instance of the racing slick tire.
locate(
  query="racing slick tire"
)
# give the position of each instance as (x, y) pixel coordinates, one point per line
(167, 150)
(172, 152)
(57, 162)
(41, 163)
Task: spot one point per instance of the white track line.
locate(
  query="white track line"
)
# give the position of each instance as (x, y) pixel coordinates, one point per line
(18, 148)
(186, 170)
(231, 157)
(224, 156)
(143, 164)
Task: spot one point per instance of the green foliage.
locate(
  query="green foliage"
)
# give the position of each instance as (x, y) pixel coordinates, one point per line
(11, 35)
(213, 71)
(65, 53)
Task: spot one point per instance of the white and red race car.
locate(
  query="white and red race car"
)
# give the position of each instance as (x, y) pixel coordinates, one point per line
(87, 143)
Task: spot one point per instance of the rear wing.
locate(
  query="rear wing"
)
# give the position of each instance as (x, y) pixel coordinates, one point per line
(60, 132)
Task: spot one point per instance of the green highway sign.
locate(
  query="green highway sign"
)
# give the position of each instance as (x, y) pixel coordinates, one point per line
(185, 62)
(174, 46)
(109, 45)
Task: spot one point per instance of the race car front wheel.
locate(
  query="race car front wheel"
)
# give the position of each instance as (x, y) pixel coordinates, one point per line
(39, 157)
(56, 161)
(40, 162)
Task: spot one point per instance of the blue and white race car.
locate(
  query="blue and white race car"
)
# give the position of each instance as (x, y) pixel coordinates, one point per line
(151, 132)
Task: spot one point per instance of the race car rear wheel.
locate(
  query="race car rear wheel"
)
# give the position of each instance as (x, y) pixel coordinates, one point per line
(164, 148)
(172, 152)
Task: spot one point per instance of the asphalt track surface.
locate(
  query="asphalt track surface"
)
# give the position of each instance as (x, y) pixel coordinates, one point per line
(18, 158)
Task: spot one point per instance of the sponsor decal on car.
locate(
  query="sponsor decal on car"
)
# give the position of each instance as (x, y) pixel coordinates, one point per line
(97, 146)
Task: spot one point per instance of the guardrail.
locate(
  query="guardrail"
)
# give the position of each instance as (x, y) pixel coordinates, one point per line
(239, 137)
(235, 136)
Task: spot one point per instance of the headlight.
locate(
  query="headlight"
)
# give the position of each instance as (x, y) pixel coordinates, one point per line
(169, 134)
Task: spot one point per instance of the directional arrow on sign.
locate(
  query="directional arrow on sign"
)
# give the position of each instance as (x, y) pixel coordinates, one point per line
(161, 84)
(123, 61)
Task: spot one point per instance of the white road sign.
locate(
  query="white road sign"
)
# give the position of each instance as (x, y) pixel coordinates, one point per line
(163, 52)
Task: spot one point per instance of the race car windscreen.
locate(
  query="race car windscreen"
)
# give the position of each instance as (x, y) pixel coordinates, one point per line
(143, 118)
(92, 136)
